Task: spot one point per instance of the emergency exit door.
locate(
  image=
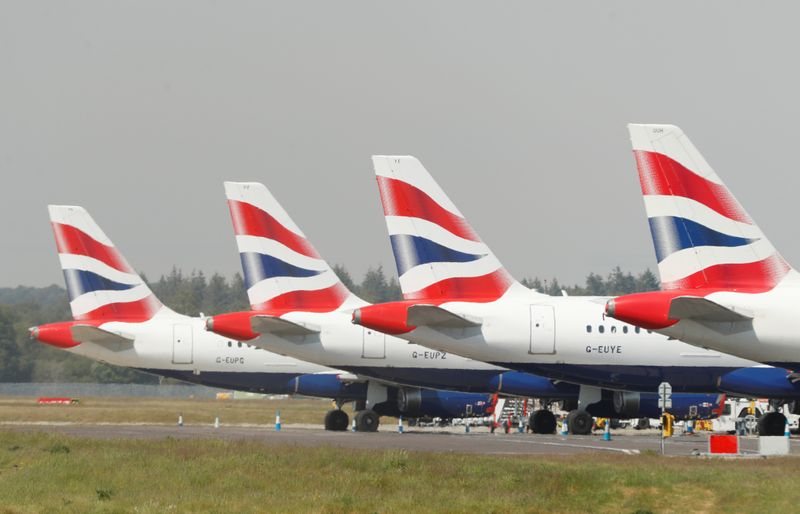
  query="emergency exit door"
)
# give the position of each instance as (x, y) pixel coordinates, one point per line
(374, 345)
(181, 344)
(543, 329)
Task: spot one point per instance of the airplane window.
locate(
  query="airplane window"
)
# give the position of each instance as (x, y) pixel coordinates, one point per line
(637, 330)
(614, 329)
(230, 344)
(240, 344)
(601, 329)
(649, 331)
(624, 330)
(588, 329)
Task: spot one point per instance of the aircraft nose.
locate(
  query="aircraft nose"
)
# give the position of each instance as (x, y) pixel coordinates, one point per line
(34, 332)
(356, 319)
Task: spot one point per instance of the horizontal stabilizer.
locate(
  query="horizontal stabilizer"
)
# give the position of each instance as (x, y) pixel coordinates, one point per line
(436, 317)
(92, 334)
(701, 309)
(279, 326)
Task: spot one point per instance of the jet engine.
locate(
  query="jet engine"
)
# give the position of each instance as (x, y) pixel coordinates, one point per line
(684, 405)
(414, 402)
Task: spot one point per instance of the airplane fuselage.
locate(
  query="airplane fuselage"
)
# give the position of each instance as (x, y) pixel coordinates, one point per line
(570, 339)
(772, 336)
(370, 353)
(179, 347)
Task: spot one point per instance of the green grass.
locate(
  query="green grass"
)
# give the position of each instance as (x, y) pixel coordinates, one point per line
(166, 410)
(53, 473)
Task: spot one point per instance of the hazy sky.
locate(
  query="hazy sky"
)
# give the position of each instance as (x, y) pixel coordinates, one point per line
(139, 110)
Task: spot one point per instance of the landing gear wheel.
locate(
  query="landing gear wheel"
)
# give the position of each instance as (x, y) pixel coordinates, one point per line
(642, 424)
(367, 421)
(336, 420)
(771, 423)
(579, 422)
(542, 422)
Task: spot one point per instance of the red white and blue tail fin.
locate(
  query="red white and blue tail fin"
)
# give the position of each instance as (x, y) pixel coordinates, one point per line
(282, 270)
(438, 254)
(703, 237)
(100, 282)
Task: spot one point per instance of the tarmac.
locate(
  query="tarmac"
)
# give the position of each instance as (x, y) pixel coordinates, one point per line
(445, 440)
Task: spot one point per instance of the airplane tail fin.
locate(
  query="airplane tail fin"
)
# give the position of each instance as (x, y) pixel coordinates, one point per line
(438, 254)
(282, 270)
(100, 282)
(702, 235)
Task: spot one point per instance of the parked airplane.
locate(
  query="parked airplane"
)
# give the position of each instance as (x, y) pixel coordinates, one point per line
(460, 299)
(299, 307)
(117, 319)
(723, 285)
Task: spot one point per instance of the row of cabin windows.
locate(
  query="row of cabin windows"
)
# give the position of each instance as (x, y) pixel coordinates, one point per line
(239, 344)
(602, 328)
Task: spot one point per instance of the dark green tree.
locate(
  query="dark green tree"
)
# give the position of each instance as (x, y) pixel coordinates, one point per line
(595, 286)
(647, 281)
(619, 283)
(374, 286)
(10, 352)
(345, 277)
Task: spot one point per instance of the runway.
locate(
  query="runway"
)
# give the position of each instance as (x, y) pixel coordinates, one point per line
(478, 441)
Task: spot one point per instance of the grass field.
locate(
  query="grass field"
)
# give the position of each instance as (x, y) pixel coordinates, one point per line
(41, 472)
(166, 410)
(49, 473)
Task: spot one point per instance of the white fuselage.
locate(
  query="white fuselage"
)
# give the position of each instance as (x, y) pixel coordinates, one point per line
(369, 353)
(175, 345)
(771, 337)
(570, 338)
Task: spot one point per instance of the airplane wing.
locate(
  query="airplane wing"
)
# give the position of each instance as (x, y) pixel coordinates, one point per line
(436, 317)
(279, 326)
(92, 334)
(701, 309)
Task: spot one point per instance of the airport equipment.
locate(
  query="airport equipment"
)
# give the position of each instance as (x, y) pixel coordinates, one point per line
(667, 428)
(773, 445)
(723, 444)
(564, 427)
(607, 431)
(665, 402)
(664, 396)
(400, 425)
(57, 401)
(278, 421)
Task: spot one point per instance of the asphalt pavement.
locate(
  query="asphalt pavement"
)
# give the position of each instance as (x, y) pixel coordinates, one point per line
(453, 439)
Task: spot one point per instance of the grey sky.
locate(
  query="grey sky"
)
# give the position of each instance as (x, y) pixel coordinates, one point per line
(139, 110)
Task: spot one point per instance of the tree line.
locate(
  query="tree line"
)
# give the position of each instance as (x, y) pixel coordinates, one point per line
(23, 360)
